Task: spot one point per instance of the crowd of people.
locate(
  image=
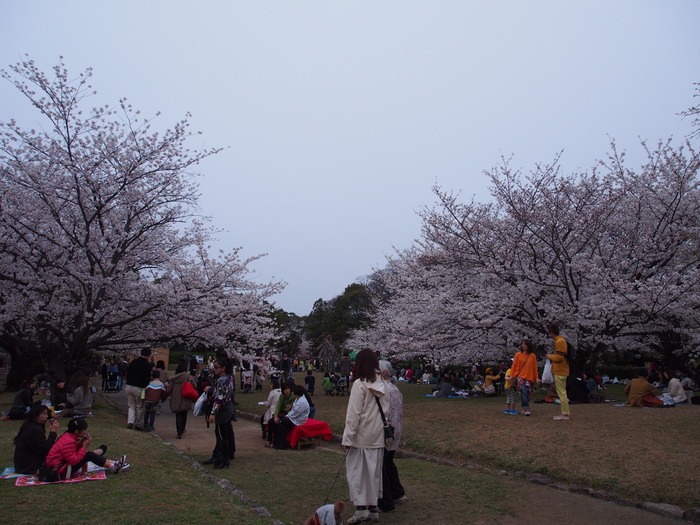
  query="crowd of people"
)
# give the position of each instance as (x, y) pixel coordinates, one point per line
(374, 404)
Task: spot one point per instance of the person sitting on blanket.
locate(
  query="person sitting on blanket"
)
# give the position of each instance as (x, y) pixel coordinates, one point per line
(675, 389)
(59, 396)
(81, 398)
(445, 387)
(31, 443)
(70, 454)
(297, 416)
(490, 380)
(24, 399)
(640, 392)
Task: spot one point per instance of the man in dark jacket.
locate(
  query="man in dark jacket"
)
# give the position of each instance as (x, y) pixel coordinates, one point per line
(138, 375)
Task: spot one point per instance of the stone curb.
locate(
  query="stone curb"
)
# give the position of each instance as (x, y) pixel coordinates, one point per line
(664, 509)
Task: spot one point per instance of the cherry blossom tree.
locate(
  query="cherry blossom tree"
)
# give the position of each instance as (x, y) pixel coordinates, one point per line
(101, 243)
(611, 255)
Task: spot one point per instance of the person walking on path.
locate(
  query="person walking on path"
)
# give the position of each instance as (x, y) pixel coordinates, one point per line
(524, 373)
(363, 437)
(560, 369)
(179, 405)
(138, 375)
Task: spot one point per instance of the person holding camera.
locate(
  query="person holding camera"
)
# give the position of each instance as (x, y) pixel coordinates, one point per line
(31, 443)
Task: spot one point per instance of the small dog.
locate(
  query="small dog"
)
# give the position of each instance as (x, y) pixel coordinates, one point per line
(331, 514)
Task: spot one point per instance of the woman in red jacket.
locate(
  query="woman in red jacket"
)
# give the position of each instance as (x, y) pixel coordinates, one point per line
(70, 454)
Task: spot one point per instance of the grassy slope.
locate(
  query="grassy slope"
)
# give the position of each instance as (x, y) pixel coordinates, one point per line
(640, 454)
(632, 452)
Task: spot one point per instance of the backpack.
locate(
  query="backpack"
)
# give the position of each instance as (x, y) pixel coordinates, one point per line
(570, 352)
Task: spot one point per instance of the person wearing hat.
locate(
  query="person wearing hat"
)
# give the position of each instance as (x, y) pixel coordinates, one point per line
(490, 380)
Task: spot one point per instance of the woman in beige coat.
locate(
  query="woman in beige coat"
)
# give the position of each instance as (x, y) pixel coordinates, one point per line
(363, 437)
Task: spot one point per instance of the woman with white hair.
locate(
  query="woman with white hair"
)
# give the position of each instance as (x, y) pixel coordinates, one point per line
(392, 490)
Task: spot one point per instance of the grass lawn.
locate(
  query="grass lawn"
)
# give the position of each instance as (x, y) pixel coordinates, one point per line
(639, 454)
(163, 489)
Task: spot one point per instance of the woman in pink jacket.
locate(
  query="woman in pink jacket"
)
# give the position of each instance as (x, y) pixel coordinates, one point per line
(70, 454)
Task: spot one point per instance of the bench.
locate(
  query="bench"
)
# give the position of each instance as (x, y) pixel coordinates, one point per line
(309, 434)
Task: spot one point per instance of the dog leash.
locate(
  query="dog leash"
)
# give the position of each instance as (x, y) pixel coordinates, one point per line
(336, 477)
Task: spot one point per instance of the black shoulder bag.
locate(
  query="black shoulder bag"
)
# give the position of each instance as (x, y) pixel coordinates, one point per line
(388, 429)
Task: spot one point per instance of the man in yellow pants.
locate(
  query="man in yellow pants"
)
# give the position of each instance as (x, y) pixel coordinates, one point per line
(560, 369)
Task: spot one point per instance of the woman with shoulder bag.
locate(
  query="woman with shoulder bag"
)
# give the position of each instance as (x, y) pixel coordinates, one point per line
(363, 437)
(180, 405)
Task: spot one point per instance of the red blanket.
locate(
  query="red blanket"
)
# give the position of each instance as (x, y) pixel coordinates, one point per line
(312, 428)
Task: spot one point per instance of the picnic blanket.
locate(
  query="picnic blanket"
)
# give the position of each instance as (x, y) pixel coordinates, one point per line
(453, 396)
(9, 473)
(312, 428)
(94, 472)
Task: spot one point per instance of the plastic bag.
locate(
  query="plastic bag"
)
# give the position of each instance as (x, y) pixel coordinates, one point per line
(547, 377)
(198, 408)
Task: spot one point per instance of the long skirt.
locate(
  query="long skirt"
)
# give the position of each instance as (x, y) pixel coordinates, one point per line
(363, 467)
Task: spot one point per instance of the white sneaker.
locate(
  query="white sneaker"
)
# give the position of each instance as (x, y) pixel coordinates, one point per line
(119, 465)
(359, 516)
(402, 499)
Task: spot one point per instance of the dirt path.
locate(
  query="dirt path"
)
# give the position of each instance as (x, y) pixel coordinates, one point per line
(534, 504)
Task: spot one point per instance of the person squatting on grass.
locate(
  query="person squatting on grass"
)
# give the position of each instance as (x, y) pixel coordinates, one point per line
(363, 437)
(31, 443)
(70, 454)
(524, 373)
(560, 369)
(392, 490)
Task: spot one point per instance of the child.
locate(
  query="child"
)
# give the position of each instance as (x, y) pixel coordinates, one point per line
(155, 393)
(328, 385)
(510, 395)
(310, 382)
(328, 515)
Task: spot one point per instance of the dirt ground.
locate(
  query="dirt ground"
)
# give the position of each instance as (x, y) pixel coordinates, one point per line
(534, 504)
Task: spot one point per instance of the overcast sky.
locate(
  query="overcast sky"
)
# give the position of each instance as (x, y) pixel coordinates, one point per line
(339, 117)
